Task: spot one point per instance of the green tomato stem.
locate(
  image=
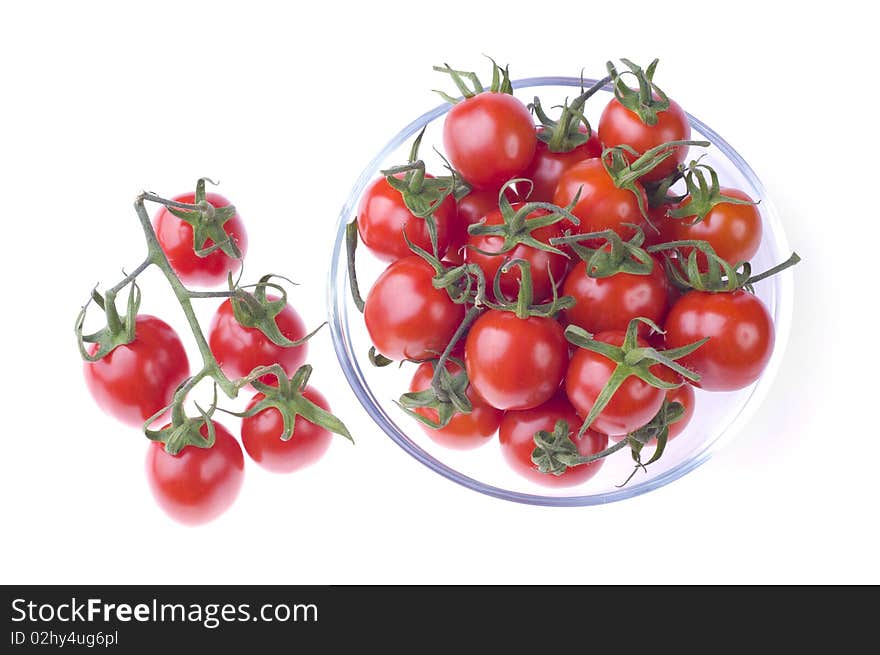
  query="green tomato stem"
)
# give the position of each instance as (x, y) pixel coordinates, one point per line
(156, 255)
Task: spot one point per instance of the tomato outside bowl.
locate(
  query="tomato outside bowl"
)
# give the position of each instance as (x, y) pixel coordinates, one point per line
(718, 416)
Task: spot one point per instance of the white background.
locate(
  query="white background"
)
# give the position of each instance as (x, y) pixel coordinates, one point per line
(285, 107)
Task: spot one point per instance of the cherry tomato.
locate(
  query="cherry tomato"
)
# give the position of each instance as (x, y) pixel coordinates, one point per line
(408, 318)
(686, 396)
(198, 484)
(383, 217)
(633, 404)
(517, 438)
(176, 238)
(741, 337)
(136, 380)
(547, 166)
(515, 363)
(610, 303)
(261, 436)
(240, 349)
(464, 431)
(733, 231)
(601, 205)
(489, 138)
(542, 263)
(471, 210)
(620, 126)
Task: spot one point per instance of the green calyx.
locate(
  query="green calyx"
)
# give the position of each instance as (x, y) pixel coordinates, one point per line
(524, 306)
(447, 396)
(255, 310)
(625, 175)
(631, 360)
(207, 224)
(702, 194)
(422, 195)
(614, 256)
(648, 99)
(118, 331)
(184, 430)
(287, 397)
(564, 134)
(517, 227)
(693, 264)
(500, 82)
(555, 452)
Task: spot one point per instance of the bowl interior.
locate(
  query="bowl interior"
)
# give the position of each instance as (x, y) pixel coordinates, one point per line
(717, 417)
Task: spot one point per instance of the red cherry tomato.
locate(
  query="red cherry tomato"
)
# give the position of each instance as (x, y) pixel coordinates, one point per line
(515, 363)
(620, 126)
(198, 484)
(633, 404)
(383, 217)
(601, 205)
(408, 318)
(136, 380)
(239, 349)
(741, 337)
(547, 167)
(733, 231)
(686, 396)
(261, 436)
(464, 431)
(176, 238)
(471, 210)
(517, 438)
(542, 263)
(489, 138)
(610, 303)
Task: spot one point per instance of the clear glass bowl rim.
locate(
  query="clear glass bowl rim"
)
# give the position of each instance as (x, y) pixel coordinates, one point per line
(338, 294)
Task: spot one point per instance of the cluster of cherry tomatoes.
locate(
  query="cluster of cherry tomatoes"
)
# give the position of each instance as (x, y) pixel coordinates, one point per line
(562, 287)
(138, 371)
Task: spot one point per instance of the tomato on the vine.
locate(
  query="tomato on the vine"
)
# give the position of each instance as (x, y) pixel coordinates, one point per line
(261, 437)
(517, 439)
(547, 167)
(610, 303)
(464, 431)
(740, 331)
(632, 405)
(621, 126)
(176, 239)
(489, 138)
(543, 264)
(406, 317)
(383, 217)
(134, 381)
(198, 484)
(239, 349)
(515, 363)
(601, 204)
(732, 229)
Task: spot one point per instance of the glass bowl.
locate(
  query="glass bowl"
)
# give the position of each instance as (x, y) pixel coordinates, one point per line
(718, 416)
